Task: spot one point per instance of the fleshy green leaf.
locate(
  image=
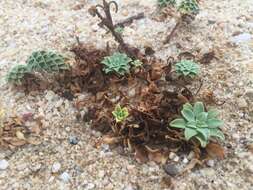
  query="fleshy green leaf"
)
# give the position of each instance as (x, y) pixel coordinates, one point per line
(187, 106)
(214, 123)
(189, 133)
(191, 124)
(204, 132)
(217, 133)
(202, 141)
(188, 114)
(198, 108)
(202, 116)
(213, 113)
(178, 123)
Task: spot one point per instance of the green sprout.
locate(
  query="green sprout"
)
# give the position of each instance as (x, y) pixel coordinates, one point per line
(164, 3)
(120, 114)
(17, 74)
(118, 63)
(119, 30)
(187, 68)
(189, 7)
(137, 63)
(46, 61)
(199, 124)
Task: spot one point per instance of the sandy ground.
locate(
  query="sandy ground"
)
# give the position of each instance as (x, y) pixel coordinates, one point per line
(29, 25)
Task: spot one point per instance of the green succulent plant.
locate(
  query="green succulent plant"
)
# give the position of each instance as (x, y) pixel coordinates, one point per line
(118, 63)
(16, 74)
(187, 68)
(164, 3)
(119, 30)
(46, 61)
(137, 63)
(199, 124)
(189, 7)
(120, 114)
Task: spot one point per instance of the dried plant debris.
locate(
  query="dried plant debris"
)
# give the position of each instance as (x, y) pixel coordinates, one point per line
(147, 108)
(15, 133)
(134, 98)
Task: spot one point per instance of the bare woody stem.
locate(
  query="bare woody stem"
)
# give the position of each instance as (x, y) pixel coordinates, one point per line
(108, 22)
(172, 33)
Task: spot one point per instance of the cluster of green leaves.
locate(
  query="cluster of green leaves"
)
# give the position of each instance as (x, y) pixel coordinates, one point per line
(189, 7)
(184, 7)
(119, 30)
(199, 124)
(16, 74)
(119, 63)
(39, 61)
(164, 3)
(187, 68)
(120, 114)
(137, 63)
(46, 61)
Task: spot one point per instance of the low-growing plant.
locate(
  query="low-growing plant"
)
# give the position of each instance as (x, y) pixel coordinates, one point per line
(189, 7)
(187, 68)
(137, 63)
(46, 61)
(119, 30)
(120, 114)
(16, 74)
(164, 3)
(199, 124)
(117, 63)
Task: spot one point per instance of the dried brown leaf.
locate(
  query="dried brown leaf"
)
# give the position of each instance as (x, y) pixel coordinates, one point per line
(215, 151)
(141, 154)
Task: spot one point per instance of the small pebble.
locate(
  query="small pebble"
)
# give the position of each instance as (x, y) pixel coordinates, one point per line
(176, 159)
(35, 167)
(210, 163)
(90, 186)
(249, 94)
(242, 103)
(101, 174)
(4, 164)
(250, 169)
(172, 155)
(131, 93)
(56, 167)
(105, 147)
(129, 188)
(73, 140)
(241, 38)
(171, 169)
(185, 161)
(65, 177)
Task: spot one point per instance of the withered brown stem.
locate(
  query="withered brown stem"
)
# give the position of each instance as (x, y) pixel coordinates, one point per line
(108, 22)
(130, 20)
(172, 33)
